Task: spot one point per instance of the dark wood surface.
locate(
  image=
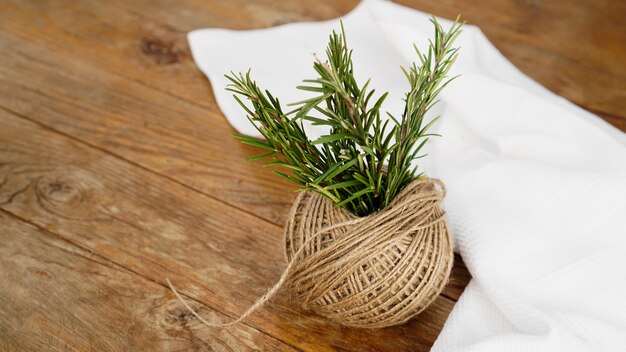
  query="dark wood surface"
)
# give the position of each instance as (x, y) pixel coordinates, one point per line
(117, 171)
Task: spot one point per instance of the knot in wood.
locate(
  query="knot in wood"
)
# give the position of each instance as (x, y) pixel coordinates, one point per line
(161, 52)
(71, 193)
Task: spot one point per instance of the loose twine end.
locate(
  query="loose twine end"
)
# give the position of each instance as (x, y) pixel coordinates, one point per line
(260, 302)
(191, 310)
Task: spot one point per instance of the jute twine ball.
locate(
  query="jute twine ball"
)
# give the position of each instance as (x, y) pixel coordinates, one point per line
(374, 271)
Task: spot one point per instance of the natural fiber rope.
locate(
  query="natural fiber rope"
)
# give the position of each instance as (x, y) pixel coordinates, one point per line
(370, 272)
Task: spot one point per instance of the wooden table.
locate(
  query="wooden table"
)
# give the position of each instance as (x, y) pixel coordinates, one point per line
(117, 171)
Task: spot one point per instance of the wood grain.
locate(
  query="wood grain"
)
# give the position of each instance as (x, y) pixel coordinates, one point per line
(55, 296)
(117, 170)
(158, 229)
(573, 48)
(48, 69)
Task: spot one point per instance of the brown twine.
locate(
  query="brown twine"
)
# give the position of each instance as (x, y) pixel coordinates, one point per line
(370, 272)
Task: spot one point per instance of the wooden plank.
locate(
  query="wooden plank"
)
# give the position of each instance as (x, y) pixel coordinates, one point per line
(145, 51)
(153, 129)
(58, 297)
(187, 15)
(573, 48)
(159, 229)
(133, 45)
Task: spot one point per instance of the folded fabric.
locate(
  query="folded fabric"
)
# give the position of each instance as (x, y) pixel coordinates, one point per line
(536, 186)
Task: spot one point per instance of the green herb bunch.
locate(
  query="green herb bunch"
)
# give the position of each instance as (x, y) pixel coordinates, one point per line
(365, 160)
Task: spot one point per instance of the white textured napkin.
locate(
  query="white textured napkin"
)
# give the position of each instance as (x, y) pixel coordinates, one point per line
(536, 186)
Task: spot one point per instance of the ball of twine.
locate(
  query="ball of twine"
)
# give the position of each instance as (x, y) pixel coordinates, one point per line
(373, 271)
(369, 272)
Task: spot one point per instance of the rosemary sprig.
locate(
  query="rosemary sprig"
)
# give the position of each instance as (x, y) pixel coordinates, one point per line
(364, 160)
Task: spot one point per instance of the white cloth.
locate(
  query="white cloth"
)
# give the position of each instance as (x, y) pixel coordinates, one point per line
(536, 186)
